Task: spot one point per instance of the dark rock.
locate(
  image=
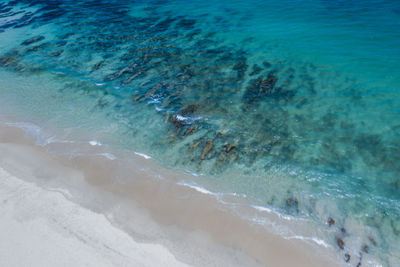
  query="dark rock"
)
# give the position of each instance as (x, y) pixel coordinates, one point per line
(124, 70)
(260, 88)
(98, 65)
(186, 24)
(256, 70)
(240, 66)
(189, 110)
(33, 40)
(372, 240)
(190, 131)
(61, 43)
(164, 25)
(365, 248)
(116, 75)
(57, 53)
(37, 48)
(340, 243)
(208, 147)
(229, 148)
(343, 230)
(347, 257)
(7, 60)
(359, 264)
(48, 16)
(195, 146)
(177, 122)
(331, 221)
(67, 35)
(292, 202)
(267, 85)
(266, 64)
(132, 77)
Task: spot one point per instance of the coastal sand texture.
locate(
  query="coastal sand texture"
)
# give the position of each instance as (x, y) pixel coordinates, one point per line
(47, 223)
(44, 228)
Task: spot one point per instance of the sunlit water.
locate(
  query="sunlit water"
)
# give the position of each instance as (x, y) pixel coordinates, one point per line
(293, 104)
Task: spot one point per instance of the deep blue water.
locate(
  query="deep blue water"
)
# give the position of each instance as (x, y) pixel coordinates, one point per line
(294, 104)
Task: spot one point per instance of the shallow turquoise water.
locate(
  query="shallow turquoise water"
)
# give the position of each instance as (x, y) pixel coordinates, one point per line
(294, 104)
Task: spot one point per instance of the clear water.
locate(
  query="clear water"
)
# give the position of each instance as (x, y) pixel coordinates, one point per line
(294, 104)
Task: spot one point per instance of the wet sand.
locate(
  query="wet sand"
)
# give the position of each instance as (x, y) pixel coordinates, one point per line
(142, 202)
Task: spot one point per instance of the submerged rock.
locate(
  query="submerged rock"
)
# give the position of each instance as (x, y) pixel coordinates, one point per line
(340, 242)
(208, 147)
(179, 123)
(347, 257)
(266, 64)
(256, 70)
(37, 47)
(267, 85)
(292, 202)
(331, 221)
(57, 53)
(33, 40)
(229, 147)
(98, 65)
(365, 249)
(260, 87)
(189, 110)
(186, 24)
(7, 60)
(165, 24)
(134, 76)
(61, 43)
(194, 146)
(190, 131)
(240, 66)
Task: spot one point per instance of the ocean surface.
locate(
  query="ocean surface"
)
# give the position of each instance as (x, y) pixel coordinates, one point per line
(292, 105)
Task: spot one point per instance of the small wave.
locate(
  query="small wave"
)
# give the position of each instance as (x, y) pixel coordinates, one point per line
(109, 156)
(95, 143)
(33, 131)
(143, 155)
(187, 120)
(154, 101)
(197, 188)
(313, 239)
(192, 173)
(36, 133)
(280, 215)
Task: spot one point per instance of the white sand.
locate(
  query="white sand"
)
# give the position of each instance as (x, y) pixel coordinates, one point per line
(43, 228)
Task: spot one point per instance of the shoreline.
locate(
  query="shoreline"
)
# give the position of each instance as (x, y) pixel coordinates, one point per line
(40, 231)
(193, 226)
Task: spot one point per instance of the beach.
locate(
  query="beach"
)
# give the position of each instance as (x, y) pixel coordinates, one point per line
(229, 133)
(43, 228)
(45, 225)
